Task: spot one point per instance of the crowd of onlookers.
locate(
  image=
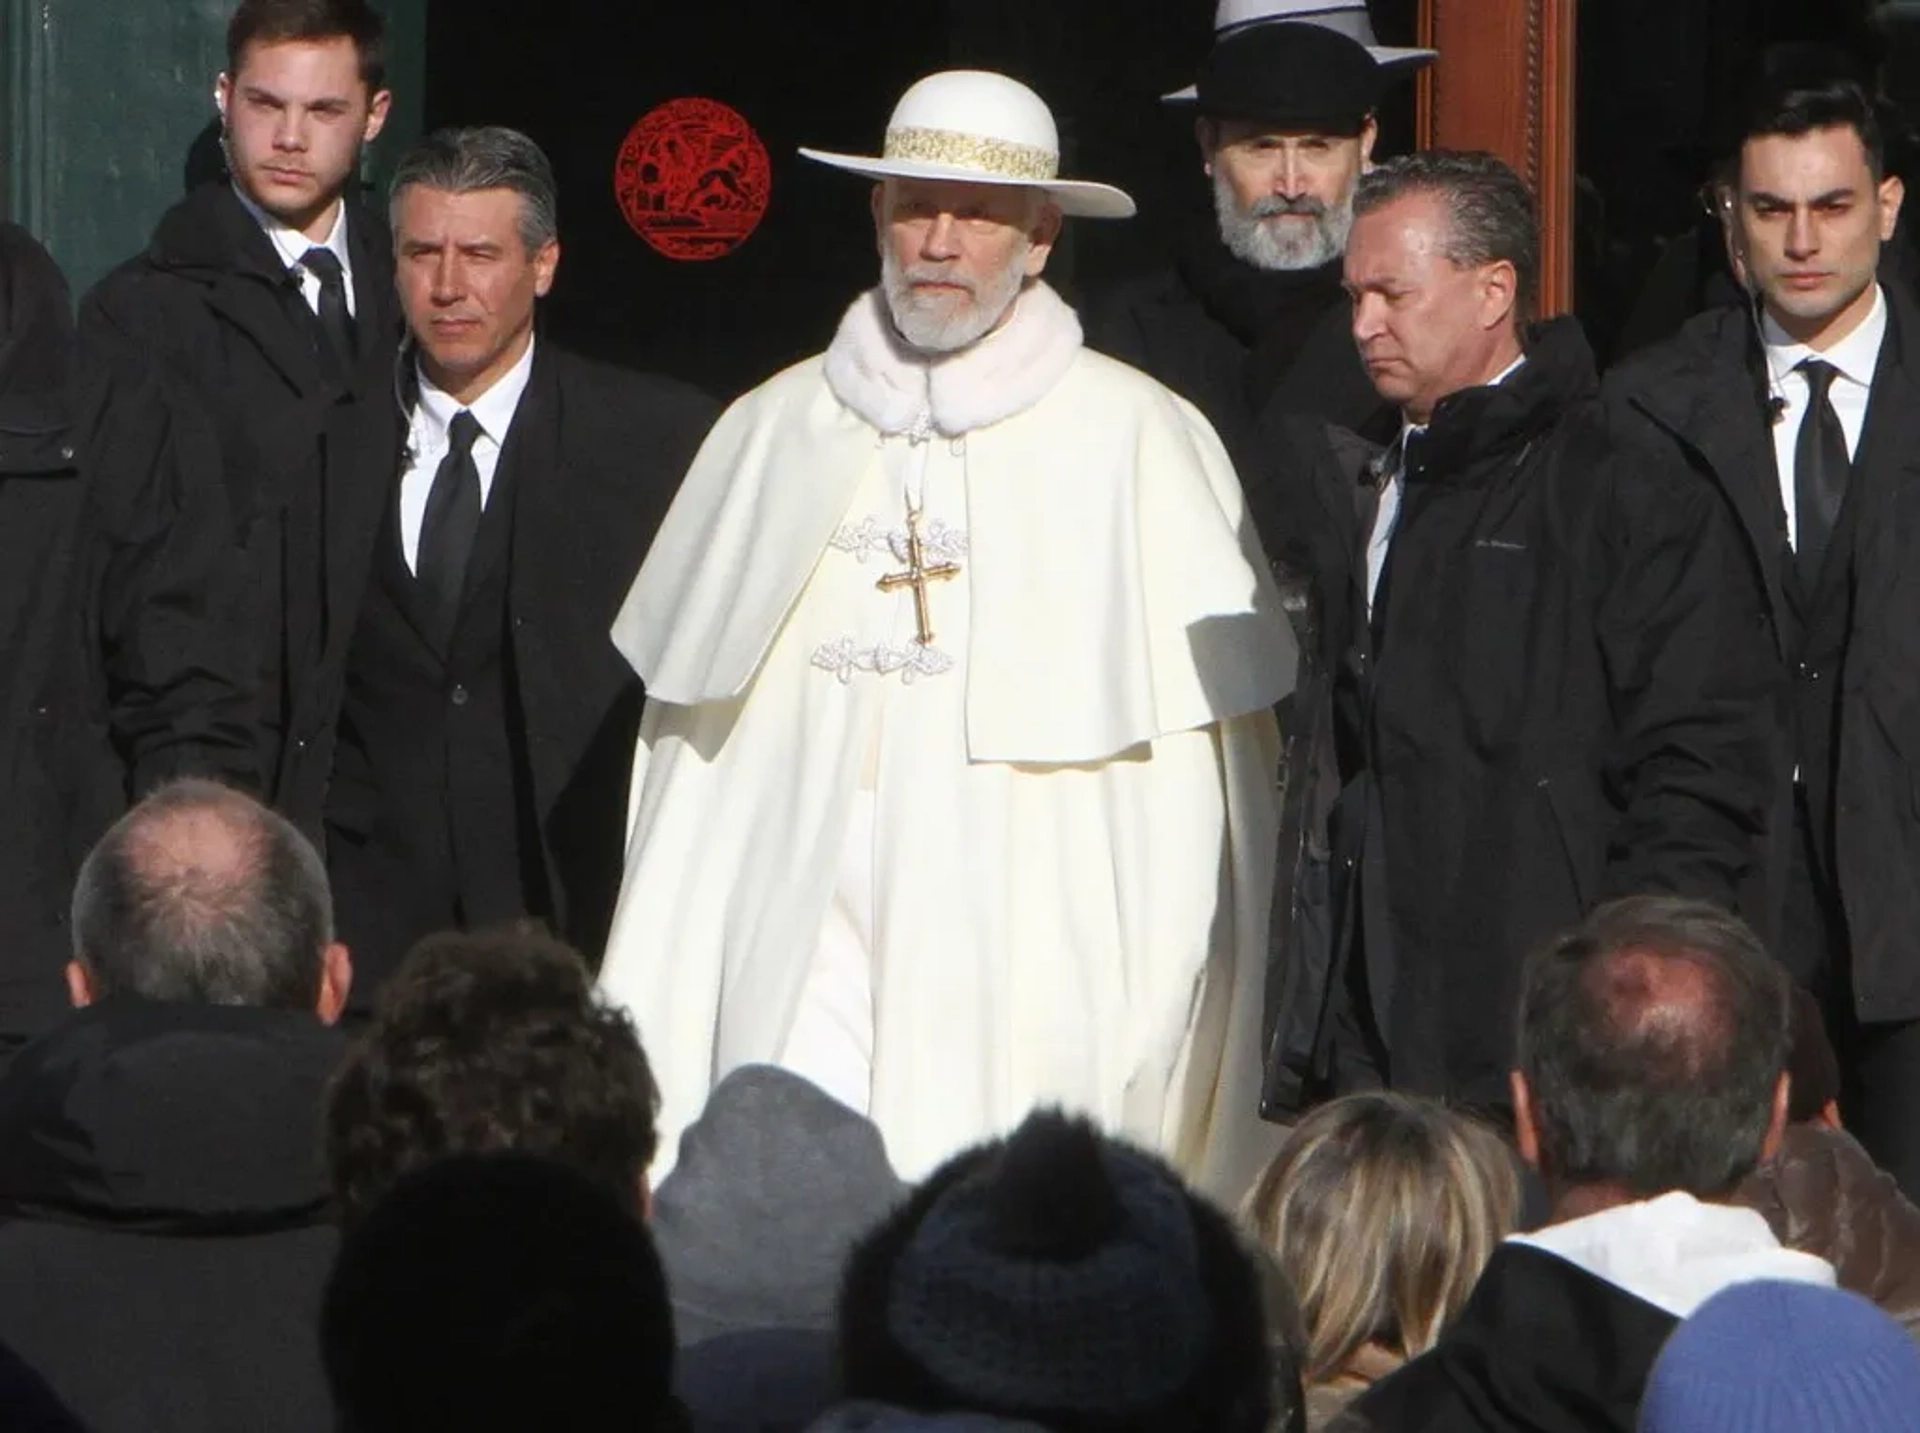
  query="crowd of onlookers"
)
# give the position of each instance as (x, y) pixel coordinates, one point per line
(225, 1212)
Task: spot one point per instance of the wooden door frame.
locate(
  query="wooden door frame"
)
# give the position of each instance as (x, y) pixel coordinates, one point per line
(1505, 82)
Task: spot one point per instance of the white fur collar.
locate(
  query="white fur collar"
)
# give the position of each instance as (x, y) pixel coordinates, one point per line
(892, 386)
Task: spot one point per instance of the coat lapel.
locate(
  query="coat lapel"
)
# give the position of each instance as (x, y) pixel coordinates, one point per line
(1725, 422)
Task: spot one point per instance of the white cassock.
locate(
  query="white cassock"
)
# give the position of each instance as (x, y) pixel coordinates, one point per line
(1026, 862)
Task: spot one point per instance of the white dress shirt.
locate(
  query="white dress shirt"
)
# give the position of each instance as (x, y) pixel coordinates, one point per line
(1855, 356)
(1386, 517)
(292, 246)
(427, 444)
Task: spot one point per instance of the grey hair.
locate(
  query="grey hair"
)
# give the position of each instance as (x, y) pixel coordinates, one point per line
(1489, 209)
(201, 895)
(465, 161)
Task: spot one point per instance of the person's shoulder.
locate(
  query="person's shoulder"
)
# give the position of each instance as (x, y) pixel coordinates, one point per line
(629, 392)
(1120, 386)
(1141, 294)
(1706, 340)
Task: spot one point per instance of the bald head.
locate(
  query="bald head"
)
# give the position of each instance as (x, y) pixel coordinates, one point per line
(202, 895)
(1652, 1045)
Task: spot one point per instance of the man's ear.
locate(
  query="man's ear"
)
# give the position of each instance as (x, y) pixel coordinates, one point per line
(546, 263)
(80, 989)
(1526, 1133)
(1893, 193)
(1044, 235)
(223, 94)
(1369, 136)
(377, 110)
(336, 984)
(1499, 293)
(646, 1199)
(1207, 135)
(1777, 1121)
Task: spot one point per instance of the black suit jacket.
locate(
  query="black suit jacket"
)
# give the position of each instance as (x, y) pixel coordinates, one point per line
(1699, 393)
(230, 457)
(590, 465)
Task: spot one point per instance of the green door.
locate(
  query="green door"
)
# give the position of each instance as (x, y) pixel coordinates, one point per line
(106, 108)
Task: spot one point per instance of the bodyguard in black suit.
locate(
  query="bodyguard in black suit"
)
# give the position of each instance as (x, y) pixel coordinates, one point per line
(1805, 410)
(261, 322)
(487, 725)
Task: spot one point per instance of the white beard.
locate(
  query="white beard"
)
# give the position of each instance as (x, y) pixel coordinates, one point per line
(1252, 237)
(948, 324)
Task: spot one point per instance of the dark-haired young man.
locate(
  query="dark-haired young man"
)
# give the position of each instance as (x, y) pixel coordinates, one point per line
(1651, 1080)
(1804, 412)
(263, 312)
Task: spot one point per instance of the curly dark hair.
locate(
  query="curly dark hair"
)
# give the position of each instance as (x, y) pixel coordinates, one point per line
(490, 1042)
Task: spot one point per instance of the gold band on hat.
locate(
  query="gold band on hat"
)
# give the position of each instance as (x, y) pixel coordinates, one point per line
(990, 158)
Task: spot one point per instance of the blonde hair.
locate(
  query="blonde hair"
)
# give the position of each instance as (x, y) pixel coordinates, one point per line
(1382, 1210)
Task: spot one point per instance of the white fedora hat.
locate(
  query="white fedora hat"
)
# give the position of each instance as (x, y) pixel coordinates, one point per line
(980, 128)
(1344, 17)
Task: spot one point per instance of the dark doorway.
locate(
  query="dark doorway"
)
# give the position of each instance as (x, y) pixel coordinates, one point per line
(577, 74)
(1656, 80)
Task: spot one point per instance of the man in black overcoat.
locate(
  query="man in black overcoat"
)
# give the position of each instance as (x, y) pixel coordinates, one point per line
(261, 321)
(1802, 410)
(486, 727)
(1551, 678)
(1249, 322)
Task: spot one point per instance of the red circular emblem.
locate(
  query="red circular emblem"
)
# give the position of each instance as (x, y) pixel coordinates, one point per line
(693, 179)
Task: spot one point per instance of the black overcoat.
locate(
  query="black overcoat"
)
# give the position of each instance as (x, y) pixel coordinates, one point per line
(1248, 349)
(1700, 396)
(220, 534)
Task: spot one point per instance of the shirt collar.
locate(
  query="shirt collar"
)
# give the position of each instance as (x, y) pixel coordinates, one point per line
(1856, 355)
(290, 243)
(493, 409)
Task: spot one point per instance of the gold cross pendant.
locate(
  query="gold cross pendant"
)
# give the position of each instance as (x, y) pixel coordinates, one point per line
(917, 576)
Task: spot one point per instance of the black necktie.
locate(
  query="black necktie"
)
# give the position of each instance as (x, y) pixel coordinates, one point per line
(1820, 468)
(336, 321)
(448, 529)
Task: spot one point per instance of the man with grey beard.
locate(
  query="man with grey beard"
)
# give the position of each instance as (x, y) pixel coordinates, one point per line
(954, 791)
(1250, 322)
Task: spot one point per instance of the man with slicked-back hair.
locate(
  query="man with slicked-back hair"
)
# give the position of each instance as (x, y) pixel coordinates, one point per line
(477, 758)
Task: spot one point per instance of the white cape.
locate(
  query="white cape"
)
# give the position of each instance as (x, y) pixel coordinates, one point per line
(1075, 826)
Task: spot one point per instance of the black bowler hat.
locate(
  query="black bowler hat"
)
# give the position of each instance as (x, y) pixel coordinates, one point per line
(1289, 73)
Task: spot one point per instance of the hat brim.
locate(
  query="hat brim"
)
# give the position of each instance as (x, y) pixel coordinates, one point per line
(1080, 198)
(1395, 61)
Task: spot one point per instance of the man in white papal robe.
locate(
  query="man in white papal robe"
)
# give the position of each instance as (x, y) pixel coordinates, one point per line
(955, 789)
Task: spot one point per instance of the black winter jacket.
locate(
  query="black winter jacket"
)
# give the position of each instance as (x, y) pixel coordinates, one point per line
(1569, 702)
(166, 1230)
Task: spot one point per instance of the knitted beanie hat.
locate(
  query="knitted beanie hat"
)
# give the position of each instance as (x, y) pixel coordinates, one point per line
(1058, 1277)
(1774, 1357)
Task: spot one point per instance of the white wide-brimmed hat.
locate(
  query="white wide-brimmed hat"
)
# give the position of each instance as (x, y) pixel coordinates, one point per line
(980, 128)
(1343, 17)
